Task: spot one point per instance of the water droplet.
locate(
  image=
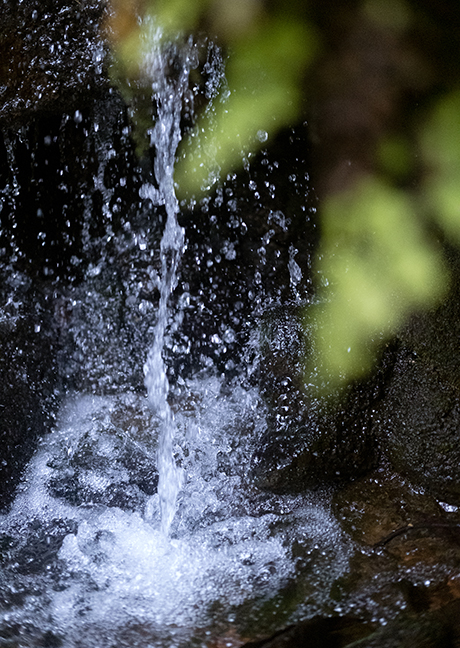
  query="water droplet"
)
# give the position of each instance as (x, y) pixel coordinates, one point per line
(262, 135)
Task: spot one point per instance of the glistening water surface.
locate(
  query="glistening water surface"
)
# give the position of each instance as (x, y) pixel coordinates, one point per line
(84, 556)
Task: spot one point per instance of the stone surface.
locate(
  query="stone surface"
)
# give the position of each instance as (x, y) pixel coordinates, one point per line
(437, 629)
(311, 441)
(327, 632)
(307, 449)
(112, 463)
(51, 54)
(28, 380)
(419, 423)
(248, 245)
(407, 553)
(409, 411)
(62, 200)
(376, 505)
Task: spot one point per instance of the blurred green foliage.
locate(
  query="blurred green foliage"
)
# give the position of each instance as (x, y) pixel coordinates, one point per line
(264, 74)
(268, 58)
(378, 265)
(440, 145)
(395, 157)
(377, 261)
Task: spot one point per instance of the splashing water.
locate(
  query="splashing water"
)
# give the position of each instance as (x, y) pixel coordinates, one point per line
(81, 562)
(168, 94)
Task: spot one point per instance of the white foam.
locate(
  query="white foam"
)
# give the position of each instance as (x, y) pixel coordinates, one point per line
(117, 566)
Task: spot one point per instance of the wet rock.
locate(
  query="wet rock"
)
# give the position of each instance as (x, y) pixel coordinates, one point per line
(332, 632)
(408, 547)
(40, 547)
(434, 335)
(62, 202)
(110, 464)
(419, 423)
(311, 448)
(72, 220)
(283, 350)
(102, 348)
(28, 380)
(419, 420)
(409, 534)
(309, 441)
(71, 181)
(436, 629)
(409, 409)
(376, 505)
(51, 53)
(248, 245)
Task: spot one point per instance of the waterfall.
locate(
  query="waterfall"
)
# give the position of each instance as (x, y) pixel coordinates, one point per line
(168, 95)
(85, 549)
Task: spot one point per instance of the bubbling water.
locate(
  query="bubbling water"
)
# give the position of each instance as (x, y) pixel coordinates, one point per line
(80, 561)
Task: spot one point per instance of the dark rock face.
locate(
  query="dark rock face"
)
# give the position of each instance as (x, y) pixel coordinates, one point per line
(436, 629)
(64, 145)
(311, 445)
(51, 53)
(51, 73)
(72, 221)
(309, 441)
(409, 410)
(248, 245)
(420, 421)
(109, 465)
(28, 380)
(66, 269)
(373, 507)
(319, 632)
(62, 200)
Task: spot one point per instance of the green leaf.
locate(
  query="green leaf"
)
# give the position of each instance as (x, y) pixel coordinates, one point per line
(377, 266)
(264, 76)
(440, 143)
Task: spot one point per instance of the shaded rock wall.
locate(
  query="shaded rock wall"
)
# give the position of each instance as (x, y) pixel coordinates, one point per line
(419, 421)
(249, 245)
(59, 197)
(51, 54)
(29, 381)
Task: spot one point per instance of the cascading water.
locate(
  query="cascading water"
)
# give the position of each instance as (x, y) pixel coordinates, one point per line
(97, 544)
(100, 549)
(141, 522)
(168, 95)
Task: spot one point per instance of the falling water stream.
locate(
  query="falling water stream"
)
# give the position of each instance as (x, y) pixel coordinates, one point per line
(136, 522)
(138, 525)
(165, 137)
